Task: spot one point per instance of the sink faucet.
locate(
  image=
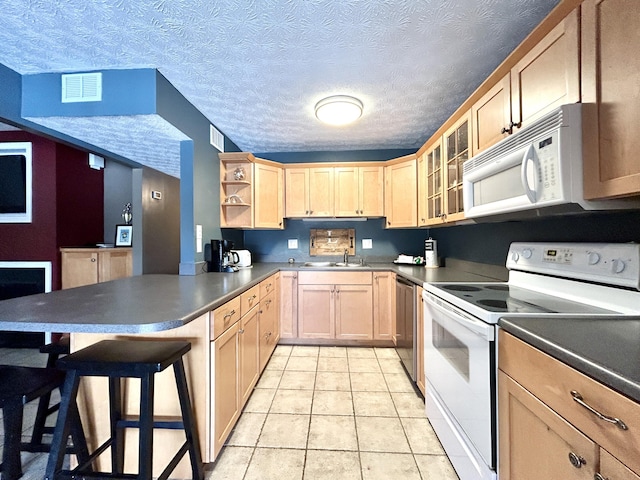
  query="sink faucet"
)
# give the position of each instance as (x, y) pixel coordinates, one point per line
(345, 258)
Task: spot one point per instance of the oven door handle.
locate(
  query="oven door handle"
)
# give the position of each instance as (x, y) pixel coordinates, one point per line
(465, 320)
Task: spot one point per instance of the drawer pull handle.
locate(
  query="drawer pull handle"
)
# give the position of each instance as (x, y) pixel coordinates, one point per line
(598, 476)
(228, 316)
(616, 421)
(576, 460)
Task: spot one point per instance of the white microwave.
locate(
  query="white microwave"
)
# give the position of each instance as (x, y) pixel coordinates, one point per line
(536, 171)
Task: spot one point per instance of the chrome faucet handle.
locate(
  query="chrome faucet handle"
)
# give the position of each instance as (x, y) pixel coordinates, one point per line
(346, 256)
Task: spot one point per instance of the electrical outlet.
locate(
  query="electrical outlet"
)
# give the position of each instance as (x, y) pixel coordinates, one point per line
(292, 243)
(367, 243)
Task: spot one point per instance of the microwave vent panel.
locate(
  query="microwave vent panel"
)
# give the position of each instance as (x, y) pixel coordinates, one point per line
(82, 87)
(552, 121)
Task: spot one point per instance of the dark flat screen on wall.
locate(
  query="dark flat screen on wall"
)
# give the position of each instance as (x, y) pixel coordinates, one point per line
(13, 184)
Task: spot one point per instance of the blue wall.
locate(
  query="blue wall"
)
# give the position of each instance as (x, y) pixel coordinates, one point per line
(329, 156)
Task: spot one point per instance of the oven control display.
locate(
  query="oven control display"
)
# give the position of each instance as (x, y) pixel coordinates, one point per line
(554, 255)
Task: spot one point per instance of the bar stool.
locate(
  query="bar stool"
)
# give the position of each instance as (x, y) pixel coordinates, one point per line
(19, 386)
(117, 359)
(54, 350)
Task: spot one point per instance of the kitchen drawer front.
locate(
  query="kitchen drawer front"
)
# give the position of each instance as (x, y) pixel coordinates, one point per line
(225, 315)
(553, 381)
(335, 278)
(249, 299)
(267, 286)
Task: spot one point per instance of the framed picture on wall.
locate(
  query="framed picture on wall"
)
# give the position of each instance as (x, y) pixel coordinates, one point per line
(123, 235)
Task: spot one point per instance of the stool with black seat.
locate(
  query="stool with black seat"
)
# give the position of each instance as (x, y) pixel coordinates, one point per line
(19, 386)
(53, 350)
(118, 359)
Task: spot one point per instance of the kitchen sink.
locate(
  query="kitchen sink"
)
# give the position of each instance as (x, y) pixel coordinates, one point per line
(332, 264)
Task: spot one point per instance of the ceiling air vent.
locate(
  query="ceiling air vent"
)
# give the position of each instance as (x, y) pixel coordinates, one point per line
(82, 87)
(216, 138)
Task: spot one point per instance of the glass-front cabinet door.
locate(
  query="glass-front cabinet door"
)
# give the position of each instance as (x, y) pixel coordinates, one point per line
(431, 195)
(457, 150)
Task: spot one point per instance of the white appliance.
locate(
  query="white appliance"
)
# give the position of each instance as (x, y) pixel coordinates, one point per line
(430, 253)
(241, 258)
(537, 170)
(563, 279)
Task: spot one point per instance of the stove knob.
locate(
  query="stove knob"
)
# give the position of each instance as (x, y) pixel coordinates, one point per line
(515, 256)
(617, 266)
(593, 258)
(526, 253)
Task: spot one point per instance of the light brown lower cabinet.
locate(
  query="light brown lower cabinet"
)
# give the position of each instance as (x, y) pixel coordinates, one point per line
(545, 433)
(335, 305)
(289, 304)
(269, 328)
(86, 266)
(249, 353)
(384, 294)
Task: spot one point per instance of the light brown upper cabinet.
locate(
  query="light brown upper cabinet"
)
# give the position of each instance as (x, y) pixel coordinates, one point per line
(543, 79)
(309, 192)
(359, 191)
(251, 192)
(611, 97)
(430, 197)
(457, 150)
(401, 192)
(268, 196)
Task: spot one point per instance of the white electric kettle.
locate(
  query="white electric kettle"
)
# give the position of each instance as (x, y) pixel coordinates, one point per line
(241, 258)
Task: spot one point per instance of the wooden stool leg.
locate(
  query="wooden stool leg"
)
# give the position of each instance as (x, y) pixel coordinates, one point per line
(188, 421)
(12, 421)
(69, 392)
(145, 462)
(117, 433)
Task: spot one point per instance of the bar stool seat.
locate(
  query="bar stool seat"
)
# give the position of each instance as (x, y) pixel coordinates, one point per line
(117, 359)
(19, 386)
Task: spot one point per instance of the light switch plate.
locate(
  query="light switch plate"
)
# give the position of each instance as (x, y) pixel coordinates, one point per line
(292, 243)
(198, 238)
(367, 243)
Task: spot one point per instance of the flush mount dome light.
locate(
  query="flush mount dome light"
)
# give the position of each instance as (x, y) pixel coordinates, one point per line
(338, 110)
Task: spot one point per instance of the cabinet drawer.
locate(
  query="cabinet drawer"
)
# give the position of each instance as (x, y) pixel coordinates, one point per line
(224, 316)
(552, 382)
(249, 299)
(267, 286)
(334, 278)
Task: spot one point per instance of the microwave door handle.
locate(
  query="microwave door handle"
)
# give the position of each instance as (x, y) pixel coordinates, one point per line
(529, 156)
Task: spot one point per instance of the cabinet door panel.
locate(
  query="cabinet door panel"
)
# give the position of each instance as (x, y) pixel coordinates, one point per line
(401, 190)
(288, 305)
(549, 75)
(316, 311)
(535, 442)
(354, 312)
(79, 268)
(383, 305)
(226, 389)
(371, 190)
(321, 192)
(612, 469)
(346, 191)
(115, 264)
(610, 79)
(297, 192)
(491, 114)
(268, 323)
(268, 197)
(248, 357)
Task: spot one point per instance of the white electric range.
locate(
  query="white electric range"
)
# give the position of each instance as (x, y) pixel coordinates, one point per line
(563, 279)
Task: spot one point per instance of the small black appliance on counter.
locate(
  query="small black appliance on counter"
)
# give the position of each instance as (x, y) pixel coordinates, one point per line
(220, 256)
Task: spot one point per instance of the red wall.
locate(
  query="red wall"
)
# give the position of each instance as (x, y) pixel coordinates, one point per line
(67, 205)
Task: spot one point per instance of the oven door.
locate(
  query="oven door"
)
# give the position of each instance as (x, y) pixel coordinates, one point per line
(460, 368)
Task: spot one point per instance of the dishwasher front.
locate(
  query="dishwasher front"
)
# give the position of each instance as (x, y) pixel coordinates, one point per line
(406, 340)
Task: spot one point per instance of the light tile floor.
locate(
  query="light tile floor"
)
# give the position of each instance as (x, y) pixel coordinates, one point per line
(333, 412)
(317, 413)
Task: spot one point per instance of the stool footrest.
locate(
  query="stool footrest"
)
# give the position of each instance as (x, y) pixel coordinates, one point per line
(70, 475)
(169, 425)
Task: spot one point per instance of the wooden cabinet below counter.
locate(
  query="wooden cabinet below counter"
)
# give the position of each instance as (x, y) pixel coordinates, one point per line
(555, 422)
(86, 266)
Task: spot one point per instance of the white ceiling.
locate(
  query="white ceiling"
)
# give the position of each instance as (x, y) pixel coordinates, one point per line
(256, 68)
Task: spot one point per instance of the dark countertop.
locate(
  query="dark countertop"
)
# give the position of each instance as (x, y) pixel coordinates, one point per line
(605, 348)
(149, 303)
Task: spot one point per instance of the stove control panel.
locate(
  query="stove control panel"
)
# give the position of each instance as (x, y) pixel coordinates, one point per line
(615, 264)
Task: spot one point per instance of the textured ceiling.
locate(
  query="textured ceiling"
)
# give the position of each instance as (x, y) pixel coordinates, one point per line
(255, 68)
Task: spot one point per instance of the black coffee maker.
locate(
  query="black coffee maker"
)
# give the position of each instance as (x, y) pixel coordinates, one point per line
(220, 256)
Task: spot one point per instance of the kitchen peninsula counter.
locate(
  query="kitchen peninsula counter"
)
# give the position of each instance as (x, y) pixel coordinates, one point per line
(605, 348)
(153, 303)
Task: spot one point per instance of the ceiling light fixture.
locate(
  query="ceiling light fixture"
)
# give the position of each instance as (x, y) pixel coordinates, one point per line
(339, 110)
